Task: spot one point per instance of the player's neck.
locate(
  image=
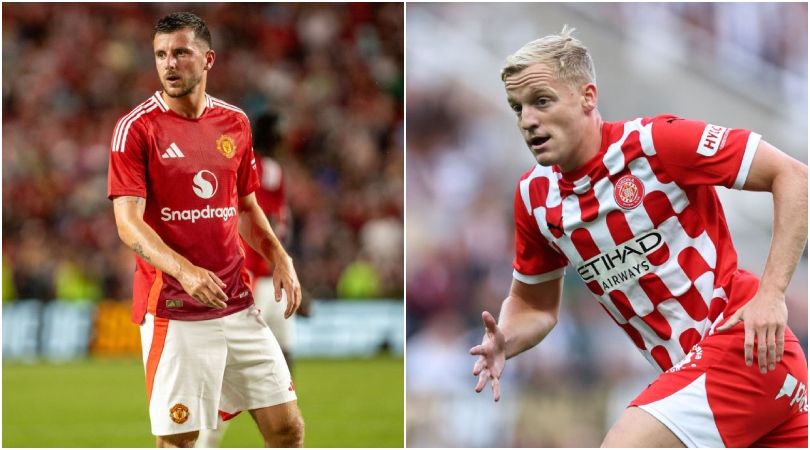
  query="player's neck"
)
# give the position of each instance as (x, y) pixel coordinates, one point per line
(590, 145)
(191, 105)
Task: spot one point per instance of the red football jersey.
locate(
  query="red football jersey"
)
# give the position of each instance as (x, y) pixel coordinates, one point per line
(191, 173)
(642, 225)
(270, 197)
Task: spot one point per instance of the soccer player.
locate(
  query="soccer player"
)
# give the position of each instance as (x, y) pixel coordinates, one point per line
(182, 180)
(632, 207)
(271, 198)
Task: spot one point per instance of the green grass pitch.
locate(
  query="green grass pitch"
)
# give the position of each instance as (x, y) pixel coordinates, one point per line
(102, 403)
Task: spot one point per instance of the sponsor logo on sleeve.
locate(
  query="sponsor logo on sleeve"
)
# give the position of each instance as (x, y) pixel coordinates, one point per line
(622, 264)
(712, 140)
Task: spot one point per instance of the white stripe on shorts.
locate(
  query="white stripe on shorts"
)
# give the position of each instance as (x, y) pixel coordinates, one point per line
(687, 414)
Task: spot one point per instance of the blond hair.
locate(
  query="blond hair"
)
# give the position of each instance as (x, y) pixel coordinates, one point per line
(563, 53)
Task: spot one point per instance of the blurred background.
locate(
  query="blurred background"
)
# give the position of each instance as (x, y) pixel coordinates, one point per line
(733, 64)
(333, 74)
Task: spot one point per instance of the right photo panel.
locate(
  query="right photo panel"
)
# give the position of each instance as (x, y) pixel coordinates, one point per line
(606, 225)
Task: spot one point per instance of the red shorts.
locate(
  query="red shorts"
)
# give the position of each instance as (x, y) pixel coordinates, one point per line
(712, 399)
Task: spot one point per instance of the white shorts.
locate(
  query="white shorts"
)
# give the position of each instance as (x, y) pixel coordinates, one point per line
(273, 312)
(197, 369)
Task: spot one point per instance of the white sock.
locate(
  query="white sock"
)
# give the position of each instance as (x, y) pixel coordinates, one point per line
(211, 438)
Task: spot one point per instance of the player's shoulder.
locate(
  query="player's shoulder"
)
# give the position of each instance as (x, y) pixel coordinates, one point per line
(662, 127)
(536, 171)
(226, 108)
(134, 121)
(542, 179)
(143, 111)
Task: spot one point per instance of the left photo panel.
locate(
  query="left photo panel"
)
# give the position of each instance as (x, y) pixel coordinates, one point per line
(203, 209)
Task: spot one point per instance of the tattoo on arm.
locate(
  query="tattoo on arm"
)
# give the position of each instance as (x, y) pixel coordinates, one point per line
(139, 250)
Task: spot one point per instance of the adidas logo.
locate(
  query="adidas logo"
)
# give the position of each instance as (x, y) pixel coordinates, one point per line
(173, 152)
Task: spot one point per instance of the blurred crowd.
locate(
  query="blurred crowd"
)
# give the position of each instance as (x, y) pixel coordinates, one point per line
(465, 156)
(332, 73)
(731, 35)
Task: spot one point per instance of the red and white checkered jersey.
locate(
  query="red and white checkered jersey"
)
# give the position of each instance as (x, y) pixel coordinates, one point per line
(643, 227)
(191, 173)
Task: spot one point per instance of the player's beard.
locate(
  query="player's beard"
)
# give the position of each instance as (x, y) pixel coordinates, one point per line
(184, 89)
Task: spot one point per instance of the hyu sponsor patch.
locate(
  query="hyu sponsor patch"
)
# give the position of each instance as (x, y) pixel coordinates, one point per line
(712, 140)
(623, 263)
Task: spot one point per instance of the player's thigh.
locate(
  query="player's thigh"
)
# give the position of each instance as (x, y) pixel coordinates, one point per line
(184, 363)
(256, 374)
(638, 428)
(712, 399)
(182, 440)
(273, 312)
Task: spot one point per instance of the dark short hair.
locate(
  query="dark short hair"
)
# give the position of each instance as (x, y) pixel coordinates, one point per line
(179, 20)
(266, 134)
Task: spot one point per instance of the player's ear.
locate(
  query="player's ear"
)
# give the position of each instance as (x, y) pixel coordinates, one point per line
(210, 56)
(589, 97)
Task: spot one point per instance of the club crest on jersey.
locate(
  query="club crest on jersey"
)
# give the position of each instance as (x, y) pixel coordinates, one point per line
(179, 413)
(629, 191)
(226, 146)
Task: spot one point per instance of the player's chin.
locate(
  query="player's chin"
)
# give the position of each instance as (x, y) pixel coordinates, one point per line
(175, 91)
(545, 158)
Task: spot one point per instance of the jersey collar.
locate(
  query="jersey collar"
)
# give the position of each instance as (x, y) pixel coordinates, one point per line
(209, 103)
(161, 104)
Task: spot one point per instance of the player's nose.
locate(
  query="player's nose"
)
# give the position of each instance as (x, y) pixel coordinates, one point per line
(170, 62)
(529, 119)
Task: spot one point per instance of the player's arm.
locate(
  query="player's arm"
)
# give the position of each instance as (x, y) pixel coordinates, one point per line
(255, 229)
(765, 316)
(201, 284)
(527, 316)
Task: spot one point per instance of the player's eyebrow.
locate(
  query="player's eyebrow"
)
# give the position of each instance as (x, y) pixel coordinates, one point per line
(542, 90)
(174, 50)
(535, 92)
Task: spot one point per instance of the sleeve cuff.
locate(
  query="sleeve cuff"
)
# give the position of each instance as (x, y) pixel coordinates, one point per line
(535, 279)
(748, 158)
(126, 192)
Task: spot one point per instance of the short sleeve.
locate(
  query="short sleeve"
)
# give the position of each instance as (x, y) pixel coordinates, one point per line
(535, 260)
(247, 178)
(699, 153)
(128, 156)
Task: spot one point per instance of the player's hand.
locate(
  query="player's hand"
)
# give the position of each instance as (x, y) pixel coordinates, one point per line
(765, 319)
(204, 286)
(284, 277)
(305, 308)
(491, 357)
